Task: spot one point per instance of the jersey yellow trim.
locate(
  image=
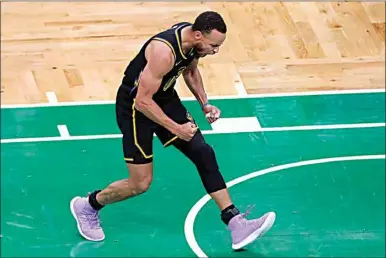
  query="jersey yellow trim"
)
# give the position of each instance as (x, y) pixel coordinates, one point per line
(135, 135)
(136, 83)
(179, 43)
(167, 43)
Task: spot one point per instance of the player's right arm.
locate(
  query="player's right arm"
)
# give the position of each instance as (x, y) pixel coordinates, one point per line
(160, 60)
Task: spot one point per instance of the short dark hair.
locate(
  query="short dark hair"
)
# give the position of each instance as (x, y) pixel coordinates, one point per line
(208, 21)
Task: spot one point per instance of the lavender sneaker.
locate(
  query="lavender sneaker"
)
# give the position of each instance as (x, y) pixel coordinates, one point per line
(87, 219)
(245, 231)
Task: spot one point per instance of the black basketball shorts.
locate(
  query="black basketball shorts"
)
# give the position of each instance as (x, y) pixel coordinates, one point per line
(138, 130)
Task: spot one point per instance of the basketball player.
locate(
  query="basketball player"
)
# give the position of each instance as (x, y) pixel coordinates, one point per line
(147, 103)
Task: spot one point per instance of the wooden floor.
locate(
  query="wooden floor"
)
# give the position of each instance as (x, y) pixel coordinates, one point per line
(79, 50)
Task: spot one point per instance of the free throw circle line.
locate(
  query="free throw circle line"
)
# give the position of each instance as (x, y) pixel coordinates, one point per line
(190, 218)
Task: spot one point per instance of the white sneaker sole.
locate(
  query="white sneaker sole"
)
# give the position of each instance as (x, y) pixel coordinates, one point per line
(77, 221)
(258, 233)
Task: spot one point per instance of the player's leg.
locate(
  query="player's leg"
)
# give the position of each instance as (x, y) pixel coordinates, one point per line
(213, 182)
(137, 142)
(137, 139)
(86, 209)
(138, 182)
(243, 231)
(203, 156)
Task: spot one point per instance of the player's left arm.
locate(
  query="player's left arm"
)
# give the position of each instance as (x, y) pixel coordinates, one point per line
(193, 80)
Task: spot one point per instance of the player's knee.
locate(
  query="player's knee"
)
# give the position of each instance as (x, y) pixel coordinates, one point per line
(143, 185)
(141, 178)
(208, 169)
(206, 158)
(200, 153)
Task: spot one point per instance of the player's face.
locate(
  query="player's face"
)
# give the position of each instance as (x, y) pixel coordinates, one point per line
(209, 44)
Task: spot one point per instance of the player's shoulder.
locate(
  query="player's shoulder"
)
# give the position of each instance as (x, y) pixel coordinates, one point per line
(180, 24)
(163, 46)
(159, 50)
(166, 41)
(159, 57)
(170, 33)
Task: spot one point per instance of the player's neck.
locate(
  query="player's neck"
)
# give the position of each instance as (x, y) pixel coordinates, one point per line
(187, 39)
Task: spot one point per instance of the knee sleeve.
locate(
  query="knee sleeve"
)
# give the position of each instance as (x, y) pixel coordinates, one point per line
(203, 156)
(208, 169)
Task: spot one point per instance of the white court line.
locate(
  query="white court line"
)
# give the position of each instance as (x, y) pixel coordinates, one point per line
(239, 85)
(322, 127)
(63, 131)
(285, 94)
(266, 129)
(191, 217)
(236, 124)
(51, 96)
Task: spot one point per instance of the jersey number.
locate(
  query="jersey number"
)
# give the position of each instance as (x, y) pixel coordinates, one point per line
(172, 80)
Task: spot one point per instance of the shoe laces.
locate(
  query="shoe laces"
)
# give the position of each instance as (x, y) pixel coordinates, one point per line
(248, 210)
(242, 219)
(93, 220)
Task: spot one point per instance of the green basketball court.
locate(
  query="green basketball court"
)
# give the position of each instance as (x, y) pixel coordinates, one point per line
(318, 161)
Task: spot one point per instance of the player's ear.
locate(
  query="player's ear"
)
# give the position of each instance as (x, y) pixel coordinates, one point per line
(198, 35)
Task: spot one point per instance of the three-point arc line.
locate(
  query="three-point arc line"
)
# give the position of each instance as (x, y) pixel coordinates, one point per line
(189, 221)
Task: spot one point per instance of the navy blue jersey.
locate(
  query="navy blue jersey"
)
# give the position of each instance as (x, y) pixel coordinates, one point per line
(172, 38)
